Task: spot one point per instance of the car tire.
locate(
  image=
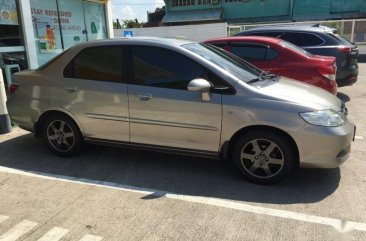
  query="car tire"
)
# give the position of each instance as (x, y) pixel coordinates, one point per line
(62, 135)
(263, 157)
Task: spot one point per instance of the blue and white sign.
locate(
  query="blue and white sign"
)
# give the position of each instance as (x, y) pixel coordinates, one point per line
(127, 34)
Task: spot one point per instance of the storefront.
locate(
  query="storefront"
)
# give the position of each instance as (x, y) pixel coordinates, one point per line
(34, 31)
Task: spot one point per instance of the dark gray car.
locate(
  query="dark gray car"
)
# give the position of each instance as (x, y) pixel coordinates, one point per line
(318, 40)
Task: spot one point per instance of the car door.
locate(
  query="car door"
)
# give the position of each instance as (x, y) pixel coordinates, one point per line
(94, 92)
(162, 111)
(262, 56)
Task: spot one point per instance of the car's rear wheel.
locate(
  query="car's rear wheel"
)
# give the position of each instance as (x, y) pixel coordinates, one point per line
(61, 135)
(263, 157)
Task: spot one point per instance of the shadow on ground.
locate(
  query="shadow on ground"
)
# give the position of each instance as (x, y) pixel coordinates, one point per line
(166, 172)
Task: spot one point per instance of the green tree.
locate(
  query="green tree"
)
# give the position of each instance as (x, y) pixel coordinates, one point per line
(132, 23)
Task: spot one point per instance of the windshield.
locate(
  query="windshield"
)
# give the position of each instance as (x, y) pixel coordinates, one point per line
(235, 65)
(296, 49)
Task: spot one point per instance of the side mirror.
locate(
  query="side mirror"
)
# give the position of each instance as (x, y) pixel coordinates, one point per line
(200, 85)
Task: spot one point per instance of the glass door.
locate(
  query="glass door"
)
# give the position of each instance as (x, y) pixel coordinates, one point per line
(95, 20)
(12, 55)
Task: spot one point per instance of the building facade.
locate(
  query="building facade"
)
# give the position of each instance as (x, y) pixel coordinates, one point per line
(34, 31)
(252, 11)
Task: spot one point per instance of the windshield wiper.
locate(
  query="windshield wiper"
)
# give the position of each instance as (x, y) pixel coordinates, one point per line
(253, 80)
(264, 75)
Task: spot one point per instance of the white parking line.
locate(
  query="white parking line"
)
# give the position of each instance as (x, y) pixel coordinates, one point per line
(89, 237)
(3, 218)
(359, 137)
(18, 230)
(54, 234)
(334, 222)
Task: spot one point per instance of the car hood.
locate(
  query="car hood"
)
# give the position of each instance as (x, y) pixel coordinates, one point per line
(303, 94)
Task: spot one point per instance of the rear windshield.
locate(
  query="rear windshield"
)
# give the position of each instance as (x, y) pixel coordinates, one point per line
(296, 49)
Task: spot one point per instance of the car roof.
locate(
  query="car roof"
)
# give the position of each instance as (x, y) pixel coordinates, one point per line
(261, 39)
(136, 40)
(311, 28)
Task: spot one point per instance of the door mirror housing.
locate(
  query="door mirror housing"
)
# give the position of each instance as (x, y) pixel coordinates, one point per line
(201, 85)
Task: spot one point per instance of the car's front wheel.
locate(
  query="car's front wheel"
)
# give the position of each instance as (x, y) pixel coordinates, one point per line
(61, 135)
(263, 157)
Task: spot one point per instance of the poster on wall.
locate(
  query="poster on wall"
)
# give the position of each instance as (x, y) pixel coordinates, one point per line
(8, 12)
(57, 28)
(46, 34)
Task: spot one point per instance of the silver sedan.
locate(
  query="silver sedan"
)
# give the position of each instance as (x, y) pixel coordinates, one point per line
(183, 97)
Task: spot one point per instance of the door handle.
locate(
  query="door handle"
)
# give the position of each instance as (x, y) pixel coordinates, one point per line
(144, 96)
(70, 89)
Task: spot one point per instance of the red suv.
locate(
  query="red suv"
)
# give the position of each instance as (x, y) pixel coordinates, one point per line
(283, 58)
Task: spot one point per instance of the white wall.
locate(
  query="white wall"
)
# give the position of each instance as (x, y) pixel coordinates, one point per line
(192, 32)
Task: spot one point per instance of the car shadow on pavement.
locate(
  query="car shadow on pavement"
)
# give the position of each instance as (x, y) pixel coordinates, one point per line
(167, 173)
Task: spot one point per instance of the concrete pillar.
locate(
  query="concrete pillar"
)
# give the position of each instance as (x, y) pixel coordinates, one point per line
(5, 125)
(28, 33)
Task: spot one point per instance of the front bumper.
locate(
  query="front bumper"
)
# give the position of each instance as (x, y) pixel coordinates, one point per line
(324, 147)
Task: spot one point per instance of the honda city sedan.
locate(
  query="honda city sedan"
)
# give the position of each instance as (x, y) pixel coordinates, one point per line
(283, 58)
(183, 97)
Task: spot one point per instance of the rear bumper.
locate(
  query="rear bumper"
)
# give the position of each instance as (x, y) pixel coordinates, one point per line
(24, 118)
(347, 76)
(324, 147)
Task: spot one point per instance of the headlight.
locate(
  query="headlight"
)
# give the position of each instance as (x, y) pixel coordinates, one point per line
(323, 118)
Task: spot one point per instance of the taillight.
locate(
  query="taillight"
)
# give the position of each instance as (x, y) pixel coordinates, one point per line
(13, 88)
(345, 49)
(329, 73)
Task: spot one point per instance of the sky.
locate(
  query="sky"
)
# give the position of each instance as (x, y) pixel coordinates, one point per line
(131, 9)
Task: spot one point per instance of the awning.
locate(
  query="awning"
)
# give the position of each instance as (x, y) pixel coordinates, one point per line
(193, 15)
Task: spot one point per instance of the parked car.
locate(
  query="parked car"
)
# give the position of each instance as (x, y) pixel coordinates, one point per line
(183, 97)
(318, 40)
(283, 58)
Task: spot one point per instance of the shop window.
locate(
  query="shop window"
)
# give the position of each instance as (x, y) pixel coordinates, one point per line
(181, 3)
(59, 25)
(12, 55)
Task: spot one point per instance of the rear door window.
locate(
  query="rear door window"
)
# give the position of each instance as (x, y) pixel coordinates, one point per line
(249, 53)
(253, 53)
(97, 63)
(266, 34)
(302, 39)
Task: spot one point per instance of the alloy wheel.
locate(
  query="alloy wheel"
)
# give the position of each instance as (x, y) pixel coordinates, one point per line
(262, 158)
(60, 135)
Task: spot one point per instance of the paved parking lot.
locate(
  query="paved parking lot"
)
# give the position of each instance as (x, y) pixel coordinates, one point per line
(119, 194)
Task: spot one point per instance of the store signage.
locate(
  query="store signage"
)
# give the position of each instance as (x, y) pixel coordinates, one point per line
(8, 12)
